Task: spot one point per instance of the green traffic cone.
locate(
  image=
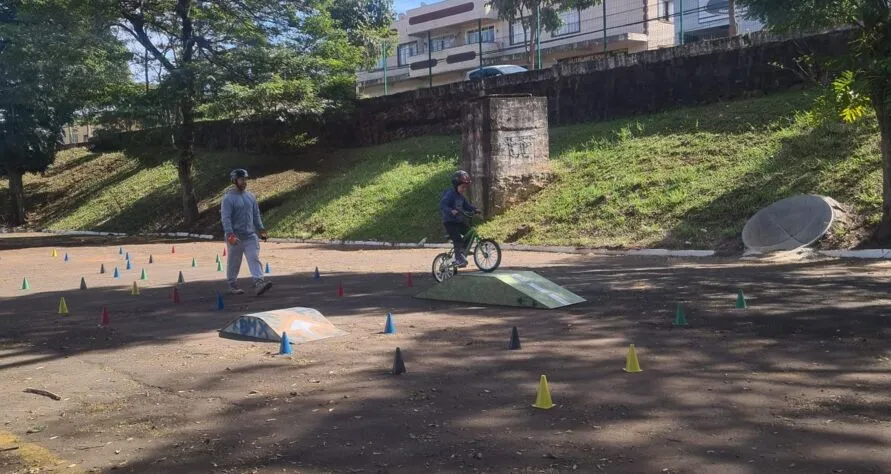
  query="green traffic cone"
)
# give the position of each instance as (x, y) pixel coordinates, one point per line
(218, 259)
(143, 275)
(25, 284)
(219, 266)
(741, 301)
(680, 319)
(194, 263)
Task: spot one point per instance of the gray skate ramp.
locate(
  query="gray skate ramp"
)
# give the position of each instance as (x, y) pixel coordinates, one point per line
(789, 224)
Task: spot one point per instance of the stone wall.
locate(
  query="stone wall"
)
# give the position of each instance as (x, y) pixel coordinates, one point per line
(614, 86)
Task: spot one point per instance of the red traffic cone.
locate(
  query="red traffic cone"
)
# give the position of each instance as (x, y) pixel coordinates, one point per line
(175, 294)
(173, 249)
(106, 320)
(408, 280)
(224, 251)
(340, 289)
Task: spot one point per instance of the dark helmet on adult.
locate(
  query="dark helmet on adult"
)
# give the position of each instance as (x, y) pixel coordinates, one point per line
(460, 177)
(237, 173)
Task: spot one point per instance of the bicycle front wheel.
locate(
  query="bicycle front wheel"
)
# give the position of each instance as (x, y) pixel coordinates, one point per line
(487, 255)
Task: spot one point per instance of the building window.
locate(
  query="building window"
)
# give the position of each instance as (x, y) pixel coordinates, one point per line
(441, 43)
(405, 51)
(517, 33)
(570, 21)
(666, 10)
(473, 36)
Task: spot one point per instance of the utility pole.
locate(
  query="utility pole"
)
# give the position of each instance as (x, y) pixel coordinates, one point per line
(731, 30)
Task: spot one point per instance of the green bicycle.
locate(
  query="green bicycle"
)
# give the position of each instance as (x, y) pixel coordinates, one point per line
(486, 255)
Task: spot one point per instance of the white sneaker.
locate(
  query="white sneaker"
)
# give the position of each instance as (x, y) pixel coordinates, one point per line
(236, 291)
(261, 286)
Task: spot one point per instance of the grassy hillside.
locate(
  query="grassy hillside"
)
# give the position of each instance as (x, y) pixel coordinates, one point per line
(688, 178)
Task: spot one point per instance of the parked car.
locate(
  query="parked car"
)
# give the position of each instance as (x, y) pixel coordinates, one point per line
(492, 71)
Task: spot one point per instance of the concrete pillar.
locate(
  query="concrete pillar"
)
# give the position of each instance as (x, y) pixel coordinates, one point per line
(504, 146)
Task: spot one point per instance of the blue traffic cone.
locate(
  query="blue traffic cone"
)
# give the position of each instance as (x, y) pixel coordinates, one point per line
(117, 274)
(129, 267)
(220, 305)
(267, 268)
(127, 256)
(285, 349)
(121, 251)
(66, 256)
(317, 276)
(389, 328)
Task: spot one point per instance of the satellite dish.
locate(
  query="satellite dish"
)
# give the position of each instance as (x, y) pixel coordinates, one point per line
(789, 224)
(717, 6)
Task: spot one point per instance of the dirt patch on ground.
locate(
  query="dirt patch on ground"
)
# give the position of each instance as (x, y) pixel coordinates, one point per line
(795, 383)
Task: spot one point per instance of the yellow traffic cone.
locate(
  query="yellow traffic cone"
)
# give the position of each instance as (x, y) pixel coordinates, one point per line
(631, 364)
(63, 307)
(55, 254)
(543, 399)
(135, 290)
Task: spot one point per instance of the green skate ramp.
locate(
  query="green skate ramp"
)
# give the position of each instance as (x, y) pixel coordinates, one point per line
(508, 288)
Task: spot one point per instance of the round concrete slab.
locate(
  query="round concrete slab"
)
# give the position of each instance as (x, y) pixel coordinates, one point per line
(789, 224)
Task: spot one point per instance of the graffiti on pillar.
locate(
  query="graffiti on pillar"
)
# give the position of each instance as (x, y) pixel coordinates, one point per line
(519, 147)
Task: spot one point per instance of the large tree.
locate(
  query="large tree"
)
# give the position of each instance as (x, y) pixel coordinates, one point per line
(537, 16)
(56, 60)
(868, 77)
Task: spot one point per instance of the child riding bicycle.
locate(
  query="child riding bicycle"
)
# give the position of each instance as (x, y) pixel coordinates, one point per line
(452, 206)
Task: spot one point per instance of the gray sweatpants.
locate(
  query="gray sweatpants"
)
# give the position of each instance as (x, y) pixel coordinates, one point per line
(249, 248)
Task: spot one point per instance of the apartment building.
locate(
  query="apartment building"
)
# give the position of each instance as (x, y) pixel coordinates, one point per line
(708, 19)
(440, 42)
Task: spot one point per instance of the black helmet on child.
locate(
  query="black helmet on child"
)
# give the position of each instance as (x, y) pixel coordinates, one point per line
(460, 177)
(238, 173)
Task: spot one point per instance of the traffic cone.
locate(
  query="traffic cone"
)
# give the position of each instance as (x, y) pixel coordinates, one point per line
(55, 254)
(398, 363)
(680, 319)
(66, 256)
(102, 269)
(514, 344)
(741, 300)
(151, 260)
(317, 275)
(285, 348)
(194, 263)
(543, 397)
(173, 249)
(106, 320)
(220, 305)
(219, 266)
(135, 290)
(120, 250)
(267, 268)
(218, 258)
(117, 274)
(175, 294)
(340, 289)
(631, 364)
(408, 281)
(83, 283)
(181, 280)
(224, 251)
(63, 307)
(129, 267)
(389, 327)
(25, 284)
(143, 275)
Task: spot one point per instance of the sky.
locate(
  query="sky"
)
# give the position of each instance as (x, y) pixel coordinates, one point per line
(401, 5)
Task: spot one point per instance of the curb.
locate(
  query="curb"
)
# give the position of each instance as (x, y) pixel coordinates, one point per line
(873, 254)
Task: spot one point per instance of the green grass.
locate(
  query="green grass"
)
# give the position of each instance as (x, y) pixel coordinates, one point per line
(687, 178)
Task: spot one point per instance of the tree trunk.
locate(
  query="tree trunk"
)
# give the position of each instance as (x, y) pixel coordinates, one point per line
(186, 157)
(883, 232)
(187, 108)
(17, 197)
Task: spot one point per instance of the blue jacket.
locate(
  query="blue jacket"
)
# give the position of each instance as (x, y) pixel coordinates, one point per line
(452, 199)
(240, 213)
